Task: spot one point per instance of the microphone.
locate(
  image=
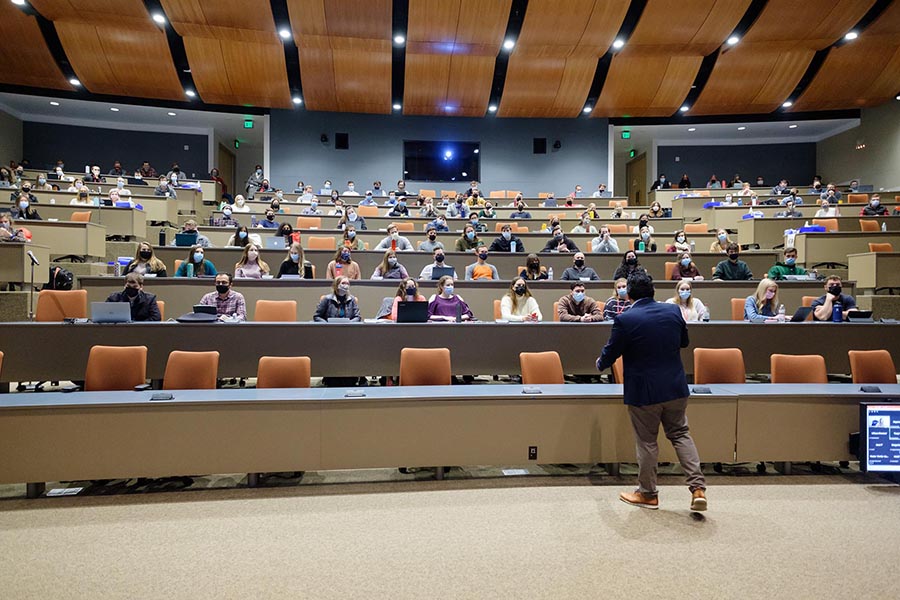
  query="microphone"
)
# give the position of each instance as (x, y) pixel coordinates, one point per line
(33, 258)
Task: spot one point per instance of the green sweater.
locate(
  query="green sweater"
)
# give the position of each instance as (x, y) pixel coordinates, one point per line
(732, 271)
(780, 270)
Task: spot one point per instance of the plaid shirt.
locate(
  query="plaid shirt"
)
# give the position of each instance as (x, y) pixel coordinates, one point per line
(232, 305)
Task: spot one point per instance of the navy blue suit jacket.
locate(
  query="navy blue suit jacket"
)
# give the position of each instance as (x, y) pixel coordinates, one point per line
(649, 337)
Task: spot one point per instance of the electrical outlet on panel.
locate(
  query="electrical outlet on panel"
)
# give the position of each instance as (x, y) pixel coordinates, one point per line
(186, 147)
(677, 159)
(532, 452)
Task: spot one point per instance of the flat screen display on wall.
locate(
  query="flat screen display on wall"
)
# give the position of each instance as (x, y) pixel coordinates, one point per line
(441, 161)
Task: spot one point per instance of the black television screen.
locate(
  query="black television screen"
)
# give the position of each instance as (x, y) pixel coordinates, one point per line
(879, 430)
(441, 161)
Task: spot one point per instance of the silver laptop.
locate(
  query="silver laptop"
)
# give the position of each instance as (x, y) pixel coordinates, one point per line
(111, 312)
(274, 242)
(339, 319)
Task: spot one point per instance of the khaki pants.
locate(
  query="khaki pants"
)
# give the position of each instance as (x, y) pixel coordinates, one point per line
(646, 421)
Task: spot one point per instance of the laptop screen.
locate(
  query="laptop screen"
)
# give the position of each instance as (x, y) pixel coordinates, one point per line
(412, 312)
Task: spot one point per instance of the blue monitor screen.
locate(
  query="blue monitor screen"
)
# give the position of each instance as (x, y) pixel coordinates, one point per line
(880, 439)
(441, 161)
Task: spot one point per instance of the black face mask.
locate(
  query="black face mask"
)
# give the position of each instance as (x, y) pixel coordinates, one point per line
(270, 217)
(439, 258)
(520, 290)
(432, 236)
(631, 261)
(146, 254)
(82, 194)
(521, 208)
(835, 289)
(579, 262)
(222, 288)
(410, 291)
(733, 256)
(643, 223)
(131, 292)
(483, 256)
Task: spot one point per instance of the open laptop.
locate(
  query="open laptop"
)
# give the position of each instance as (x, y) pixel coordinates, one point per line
(185, 240)
(802, 314)
(205, 308)
(412, 312)
(111, 312)
(860, 316)
(438, 272)
(339, 319)
(273, 242)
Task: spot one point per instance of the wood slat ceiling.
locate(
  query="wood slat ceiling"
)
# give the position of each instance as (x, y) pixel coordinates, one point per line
(107, 49)
(757, 75)
(345, 53)
(234, 51)
(653, 74)
(552, 66)
(862, 73)
(25, 57)
(450, 55)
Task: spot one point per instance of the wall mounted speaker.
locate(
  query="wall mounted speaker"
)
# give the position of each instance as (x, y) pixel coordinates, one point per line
(539, 145)
(341, 141)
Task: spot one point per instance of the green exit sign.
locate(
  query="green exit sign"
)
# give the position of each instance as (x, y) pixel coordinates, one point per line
(248, 124)
(631, 154)
(626, 135)
(237, 144)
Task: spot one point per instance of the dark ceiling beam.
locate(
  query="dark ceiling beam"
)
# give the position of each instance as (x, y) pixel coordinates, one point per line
(513, 28)
(399, 26)
(282, 17)
(176, 49)
(51, 38)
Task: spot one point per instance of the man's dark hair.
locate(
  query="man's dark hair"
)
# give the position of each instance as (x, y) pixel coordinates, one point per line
(226, 274)
(575, 284)
(640, 285)
(732, 247)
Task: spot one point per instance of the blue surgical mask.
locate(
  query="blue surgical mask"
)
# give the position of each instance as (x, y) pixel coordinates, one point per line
(578, 297)
(242, 235)
(722, 237)
(198, 257)
(401, 204)
(875, 202)
(295, 257)
(351, 234)
(645, 235)
(790, 261)
(680, 239)
(120, 184)
(42, 180)
(448, 289)
(345, 256)
(23, 205)
(392, 262)
(622, 292)
(684, 294)
(313, 204)
(226, 212)
(686, 262)
(507, 235)
(470, 235)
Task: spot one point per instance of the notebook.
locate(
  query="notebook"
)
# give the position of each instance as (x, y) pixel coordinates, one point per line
(111, 312)
(204, 308)
(412, 312)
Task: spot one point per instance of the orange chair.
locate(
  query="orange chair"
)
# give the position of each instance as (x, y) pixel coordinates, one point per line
(828, 224)
(719, 365)
(497, 314)
(283, 372)
(543, 195)
(884, 247)
(425, 366)
(872, 366)
(869, 225)
(737, 309)
(428, 193)
(178, 262)
(498, 226)
(278, 311)
(556, 311)
(191, 370)
(696, 227)
(521, 229)
(111, 368)
(404, 226)
(162, 309)
(617, 203)
(320, 242)
(448, 193)
(798, 368)
(498, 194)
(807, 300)
(309, 222)
(1, 361)
(617, 228)
(618, 371)
(367, 210)
(858, 198)
(541, 368)
(81, 216)
(670, 269)
(58, 305)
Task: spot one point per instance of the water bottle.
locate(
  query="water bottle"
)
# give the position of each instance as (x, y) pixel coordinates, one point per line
(338, 269)
(162, 236)
(212, 221)
(190, 270)
(884, 226)
(781, 312)
(117, 269)
(693, 246)
(837, 314)
(550, 273)
(252, 220)
(641, 246)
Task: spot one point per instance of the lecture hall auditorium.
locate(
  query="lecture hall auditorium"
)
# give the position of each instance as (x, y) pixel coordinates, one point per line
(305, 298)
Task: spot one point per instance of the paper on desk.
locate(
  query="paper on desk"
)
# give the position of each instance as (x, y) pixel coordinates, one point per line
(515, 471)
(65, 491)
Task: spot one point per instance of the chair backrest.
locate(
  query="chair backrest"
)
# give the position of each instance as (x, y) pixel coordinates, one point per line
(868, 225)
(615, 203)
(497, 313)
(737, 309)
(404, 226)
(618, 371)
(283, 372)
(498, 194)
(162, 309)
(450, 193)
(191, 370)
(543, 194)
(617, 228)
(828, 224)
(426, 193)
(798, 368)
(1, 361)
(499, 225)
(807, 300)
(320, 242)
(367, 210)
(857, 198)
(81, 216)
(556, 311)
(309, 222)
(541, 367)
(513, 193)
(872, 366)
(670, 268)
(696, 227)
(521, 229)
(178, 262)
(631, 244)
(425, 366)
(111, 368)
(719, 365)
(881, 247)
(284, 311)
(58, 305)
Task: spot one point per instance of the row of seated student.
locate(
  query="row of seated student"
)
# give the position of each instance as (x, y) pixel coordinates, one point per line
(518, 304)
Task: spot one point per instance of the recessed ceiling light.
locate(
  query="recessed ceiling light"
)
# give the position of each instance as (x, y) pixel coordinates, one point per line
(692, 129)
(509, 44)
(284, 33)
(297, 100)
(586, 109)
(741, 128)
(493, 107)
(685, 108)
(397, 107)
(114, 109)
(399, 39)
(792, 127)
(898, 96)
(851, 35)
(171, 114)
(159, 18)
(19, 2)
(787, 104)
(190, 93)
(54, 103)
(618, 44)
(74, 81)
(476, 150)
(733, 40)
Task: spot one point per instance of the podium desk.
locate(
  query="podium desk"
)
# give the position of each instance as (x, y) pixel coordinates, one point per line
(70, 237)
(15, 265)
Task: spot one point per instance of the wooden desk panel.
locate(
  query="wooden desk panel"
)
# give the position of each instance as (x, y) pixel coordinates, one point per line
(15, 266)
(769, 233)
(814, 248)
(873, 270)
(127, 222)
(69, 237)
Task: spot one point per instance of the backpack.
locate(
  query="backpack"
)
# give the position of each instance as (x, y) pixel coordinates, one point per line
(60, 279)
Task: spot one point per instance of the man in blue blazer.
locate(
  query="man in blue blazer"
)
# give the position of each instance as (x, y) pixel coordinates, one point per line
(649, 337)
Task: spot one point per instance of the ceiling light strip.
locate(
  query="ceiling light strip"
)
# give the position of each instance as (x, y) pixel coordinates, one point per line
(51, 38)
(281, 15)
(399, 27)
(176, 50)
(513, 28)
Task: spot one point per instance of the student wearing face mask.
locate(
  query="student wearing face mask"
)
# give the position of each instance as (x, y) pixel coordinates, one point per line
(488, 211)
(306, 195)
(145, 263)
(506, 241)
(377, 190)
(24, 210)
(604, 242)
(42, 184)
(8, 233)
(733, 269)
(143, 304)
(787, 267)
(445, 305)
(823, 306)
(468, 241)
(390, 268)
(686, 269)
(228, 219)
(351, 240)
(313, 208)
(440, 224)
(656, 211)
(254, 182)
(720, 244)
(6, 178)
(645, 237)
(83, 198)
(165, 188)
(518, 304)
(230, 305)
(399, 209)
(440, 258)
(584, 226)
(339, 303)
(407, 291)
(520, 212)
(476, 223)
(874, 208)
(269, 222)
(343, 265)
(240, 205)
(196, 260)
(578, 271)
(629, 265)
(294, 263)
(691, 308)
(351, 189)
(618, 302)
(242, 236)
(214, 176)
(368, 199)
(276, 202)
(643, 221)
(394, 241)
(533, 270)
(352, 218)
(326, 188)
(120, 185)
(401, 190)
(251, 266)
(481, 269)
(681, 242)
(576, 307)
(661, 183)
(26, 189)
(827, 210)
(94, 175)
(763, 305)
(458, 209)
(559, 242)
(431, 242)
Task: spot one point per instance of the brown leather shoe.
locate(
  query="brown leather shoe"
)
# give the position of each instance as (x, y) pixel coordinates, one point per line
(639, 499)
(698, 500)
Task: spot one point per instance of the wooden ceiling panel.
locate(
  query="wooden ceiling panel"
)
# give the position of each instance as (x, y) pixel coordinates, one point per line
(811, 24)
(363, 79)
(126, 14)
(646, 86)
(469, 90)
(691, 27)
(30, 64)
(317, 67)
(226, 20)
(427, 81)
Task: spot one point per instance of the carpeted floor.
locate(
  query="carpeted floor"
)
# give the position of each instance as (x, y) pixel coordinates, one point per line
(808, 536)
